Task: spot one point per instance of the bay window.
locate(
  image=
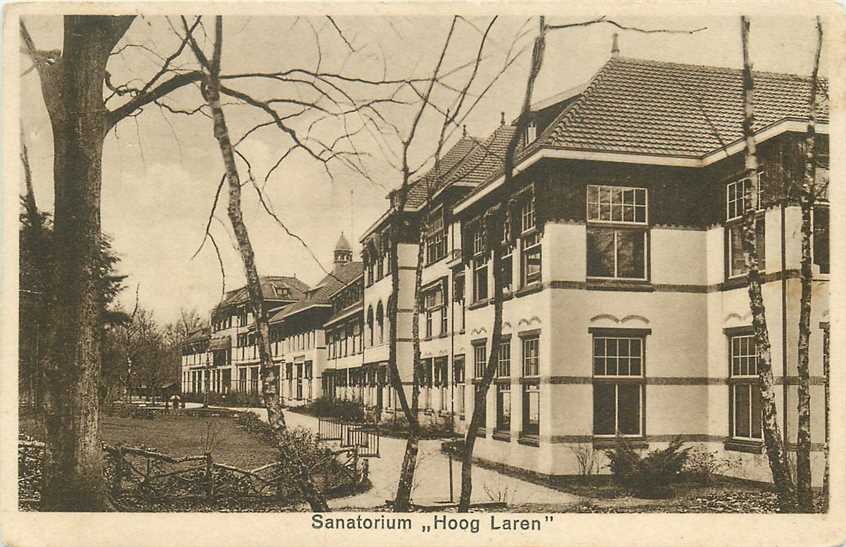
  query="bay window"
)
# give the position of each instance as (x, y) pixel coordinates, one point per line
(617, 232)
(618, 385)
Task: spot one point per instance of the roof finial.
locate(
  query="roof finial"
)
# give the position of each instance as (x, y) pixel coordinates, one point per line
(464, 130)
(615, 46)
(502, 118)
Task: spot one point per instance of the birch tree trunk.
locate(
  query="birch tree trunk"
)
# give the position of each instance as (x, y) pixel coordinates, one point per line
(826, 365)
(773, 440)
(807, 196)
(494, 228)
(402, 501)
(272, 403)
(493, 221)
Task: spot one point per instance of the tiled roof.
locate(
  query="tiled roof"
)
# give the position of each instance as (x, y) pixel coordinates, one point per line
(428, 184)
(340, 276)
(650, 107)
(485, 159)
(268, 282)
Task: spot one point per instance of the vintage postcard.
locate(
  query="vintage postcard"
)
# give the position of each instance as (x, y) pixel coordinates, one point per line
(282, 274)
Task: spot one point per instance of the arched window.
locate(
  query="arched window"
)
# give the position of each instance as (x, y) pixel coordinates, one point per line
(380, 320)
(370, 323)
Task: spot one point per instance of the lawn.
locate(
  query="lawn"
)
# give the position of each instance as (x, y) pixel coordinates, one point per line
(183, 436)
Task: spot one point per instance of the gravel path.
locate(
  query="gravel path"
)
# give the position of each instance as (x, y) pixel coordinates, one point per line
(432, 476)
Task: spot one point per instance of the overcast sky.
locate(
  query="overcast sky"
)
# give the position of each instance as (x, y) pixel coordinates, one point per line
(160, 170)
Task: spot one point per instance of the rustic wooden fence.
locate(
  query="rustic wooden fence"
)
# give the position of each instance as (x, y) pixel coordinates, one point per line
(152, 475)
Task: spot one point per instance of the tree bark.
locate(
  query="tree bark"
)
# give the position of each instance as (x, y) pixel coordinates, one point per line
(773, 440)
(402, 500)
(826, 365)
(494, 220)
(272, 403)
(807, 196)
(73, 91)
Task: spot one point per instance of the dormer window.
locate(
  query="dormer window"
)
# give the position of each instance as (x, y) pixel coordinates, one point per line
(531, 132)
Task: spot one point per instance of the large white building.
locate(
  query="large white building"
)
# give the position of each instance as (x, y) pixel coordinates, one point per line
(626, 305)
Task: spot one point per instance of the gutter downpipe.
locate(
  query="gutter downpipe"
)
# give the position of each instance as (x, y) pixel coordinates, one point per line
(784, 324)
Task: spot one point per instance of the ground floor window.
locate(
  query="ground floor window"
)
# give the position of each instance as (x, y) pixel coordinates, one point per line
(744, 389)
(618, 384)
(458, 380)
(242, 380)
(480, 401)
(254, 379)
(531, 409)
(503, 407)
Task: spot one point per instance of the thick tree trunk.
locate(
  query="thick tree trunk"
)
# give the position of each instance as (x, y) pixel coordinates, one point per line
(493, 228)
(807, 195)
(73, 91)
(769, 413)
(494, 220)
(272, 403)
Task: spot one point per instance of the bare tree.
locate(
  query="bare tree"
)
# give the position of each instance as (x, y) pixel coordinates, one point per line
(272, 403)
(807, 197)
(773, 440)
(499, 232)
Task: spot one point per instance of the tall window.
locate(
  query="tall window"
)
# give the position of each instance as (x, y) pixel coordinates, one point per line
(458, 296)
(821, 255)
(617, 233)
(435, 240)
(429, 309)
(442, 380)
(380, 321)
(735, 207)
(617, 385)
(531, 385)
(386, 251)
(426, 382)
(480, 266)
(480, 359)
(745, 391)
(503, 387)
(370, 324)
(458, 379)
(503, 368)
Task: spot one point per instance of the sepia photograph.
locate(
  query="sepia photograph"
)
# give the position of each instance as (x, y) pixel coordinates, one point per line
(487, 268)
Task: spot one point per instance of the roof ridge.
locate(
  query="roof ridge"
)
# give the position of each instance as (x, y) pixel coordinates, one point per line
(712, 68)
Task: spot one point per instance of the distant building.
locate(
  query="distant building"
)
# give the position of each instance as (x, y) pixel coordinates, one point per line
(626, 307)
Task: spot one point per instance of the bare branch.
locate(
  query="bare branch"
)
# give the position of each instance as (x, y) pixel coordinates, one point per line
(206, 233)
(340, 32)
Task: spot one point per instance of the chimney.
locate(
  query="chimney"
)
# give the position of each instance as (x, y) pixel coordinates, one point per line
(502, 118)
(615, 46)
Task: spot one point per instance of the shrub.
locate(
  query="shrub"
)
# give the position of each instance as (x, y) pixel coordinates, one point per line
(325, 407)
(649, 476)
(705, 466)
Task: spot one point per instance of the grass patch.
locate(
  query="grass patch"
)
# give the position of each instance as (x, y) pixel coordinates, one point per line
(182, 436)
